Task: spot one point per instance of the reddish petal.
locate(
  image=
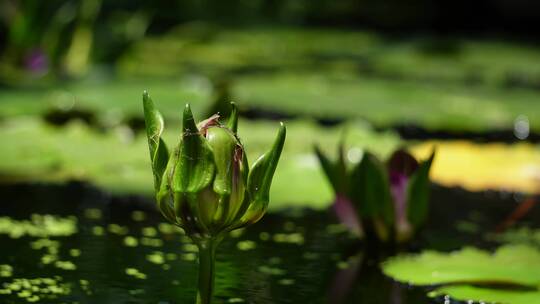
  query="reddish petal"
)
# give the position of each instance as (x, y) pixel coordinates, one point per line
(346, 213)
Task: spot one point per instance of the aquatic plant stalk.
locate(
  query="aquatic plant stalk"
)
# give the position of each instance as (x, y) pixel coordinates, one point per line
(205, 185)
(207, 260)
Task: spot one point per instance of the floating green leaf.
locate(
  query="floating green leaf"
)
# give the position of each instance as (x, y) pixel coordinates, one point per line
(504, 296)
(510, 264)
(474, 273)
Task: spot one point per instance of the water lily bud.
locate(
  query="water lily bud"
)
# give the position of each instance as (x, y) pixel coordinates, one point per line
(205, 186)
(376, 201)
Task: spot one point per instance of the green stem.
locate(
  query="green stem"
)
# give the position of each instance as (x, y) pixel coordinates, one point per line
(207, 258)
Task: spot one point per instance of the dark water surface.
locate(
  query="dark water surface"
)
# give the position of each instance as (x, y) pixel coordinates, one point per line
(123, 252)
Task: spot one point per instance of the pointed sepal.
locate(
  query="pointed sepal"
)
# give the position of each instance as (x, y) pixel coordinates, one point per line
(370, 193)
(418, 193)
(194, 165)
(328, 167)
(260, 179)
(159, 154)
(335, 171)
(232, 122)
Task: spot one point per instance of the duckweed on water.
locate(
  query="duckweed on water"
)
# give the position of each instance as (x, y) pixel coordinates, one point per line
(138, 216)
(117, 229)
(33, 290)
(246, 245)
(51, 248)
(85, 286)
(98, 230)
(65, 265)
(93, 214)
(237, 233)
(291, 238)
(166, 228)
(189, 247)
(51, 245)
(38, 226)
(149, 231)
(189, 257)
(130, 241)
(271, 270)
(135, 273)
(151, 242)
(75, 252)
(156, 257)
(6, 271)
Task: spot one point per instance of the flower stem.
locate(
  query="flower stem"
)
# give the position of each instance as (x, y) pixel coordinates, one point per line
(207, 257)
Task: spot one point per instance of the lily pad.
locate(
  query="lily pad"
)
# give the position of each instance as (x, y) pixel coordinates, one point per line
(42, 153)
(465, 293)
(510, 264)
(471, 165)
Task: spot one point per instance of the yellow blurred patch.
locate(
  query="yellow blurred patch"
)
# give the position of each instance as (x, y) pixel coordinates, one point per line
(477, 167)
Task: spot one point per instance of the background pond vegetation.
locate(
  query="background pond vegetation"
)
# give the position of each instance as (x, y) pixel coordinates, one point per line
(77, 221)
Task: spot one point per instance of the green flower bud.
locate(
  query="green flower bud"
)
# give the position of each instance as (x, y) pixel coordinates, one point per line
(206, 186)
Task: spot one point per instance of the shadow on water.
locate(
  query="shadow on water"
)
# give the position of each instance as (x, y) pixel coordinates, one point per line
(123, 252)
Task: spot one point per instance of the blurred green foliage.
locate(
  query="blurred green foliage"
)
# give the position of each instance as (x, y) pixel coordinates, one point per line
(203, 48)
(443, 82)
(117, 160)
(116, 50)
(57, 39)
(459, 85)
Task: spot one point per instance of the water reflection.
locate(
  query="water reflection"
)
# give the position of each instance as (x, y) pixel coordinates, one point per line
(122, 252)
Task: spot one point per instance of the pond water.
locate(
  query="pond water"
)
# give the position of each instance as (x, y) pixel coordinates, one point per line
(96, 248)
